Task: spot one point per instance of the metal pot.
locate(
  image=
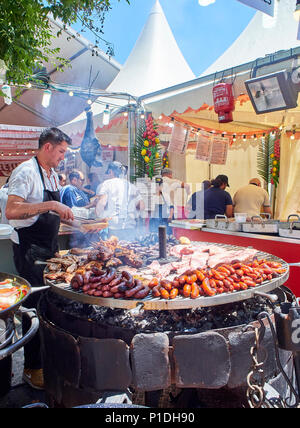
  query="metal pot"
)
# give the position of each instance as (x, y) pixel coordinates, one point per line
(7, 346)
(290, 229)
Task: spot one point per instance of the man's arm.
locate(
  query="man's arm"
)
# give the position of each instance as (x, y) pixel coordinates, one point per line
(102, 201)
(18, 209)
(268, 210)
(229, 211)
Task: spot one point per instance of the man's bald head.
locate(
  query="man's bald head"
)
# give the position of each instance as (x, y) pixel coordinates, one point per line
(255, 181)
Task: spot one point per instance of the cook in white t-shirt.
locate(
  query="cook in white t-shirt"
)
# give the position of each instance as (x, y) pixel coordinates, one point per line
(119, 200)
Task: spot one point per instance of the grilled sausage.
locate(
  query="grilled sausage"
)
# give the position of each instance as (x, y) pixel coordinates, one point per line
(156, 291)
(173, 293)
(164, 294)
(107, 294)
(129, 279)
(86, 277)
(79, 279)
(167, 285)
(75, 285)
(109, 277)
(131, 292)
(116, 281)
(142, 293)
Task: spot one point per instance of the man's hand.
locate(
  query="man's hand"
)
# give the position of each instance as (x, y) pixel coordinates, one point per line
(65, 213)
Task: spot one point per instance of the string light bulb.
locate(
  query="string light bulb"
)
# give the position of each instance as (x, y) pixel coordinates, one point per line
(293, 136)
(46, 98)
(171, 124)
(6, 89)
(106, 115)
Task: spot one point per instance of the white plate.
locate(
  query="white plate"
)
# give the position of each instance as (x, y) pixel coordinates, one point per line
(5, 229)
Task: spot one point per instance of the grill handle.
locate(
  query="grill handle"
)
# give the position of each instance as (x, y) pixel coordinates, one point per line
(272, 297)
(9, 350)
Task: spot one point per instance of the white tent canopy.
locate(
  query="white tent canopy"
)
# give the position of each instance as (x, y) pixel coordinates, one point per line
(263, 36)
(28, 111)
(155, 62)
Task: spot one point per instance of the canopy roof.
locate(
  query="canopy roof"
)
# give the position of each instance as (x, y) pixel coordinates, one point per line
(263, 36)
(84, 58)
(155, 62)
(192, 102)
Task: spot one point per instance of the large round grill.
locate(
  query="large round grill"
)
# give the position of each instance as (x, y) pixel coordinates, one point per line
(180, 302)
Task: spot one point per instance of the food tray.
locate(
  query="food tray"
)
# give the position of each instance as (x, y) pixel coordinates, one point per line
(261, 225)
(180, 302)
(290, 229)
(221, 222)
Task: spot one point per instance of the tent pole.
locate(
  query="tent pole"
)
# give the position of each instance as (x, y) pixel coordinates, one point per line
(131, 139)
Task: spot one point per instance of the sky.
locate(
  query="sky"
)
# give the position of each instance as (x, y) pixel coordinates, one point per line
(202, 33)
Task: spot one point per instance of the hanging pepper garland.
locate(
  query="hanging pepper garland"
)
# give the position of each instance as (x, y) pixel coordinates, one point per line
(275, 161)
(165, 160)
(146, 153)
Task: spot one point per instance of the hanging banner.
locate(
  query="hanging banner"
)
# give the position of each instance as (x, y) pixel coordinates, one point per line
(204, 144)
(15, 145)
(7, 167)
(219, 150)
(179, 139)
(265, 6)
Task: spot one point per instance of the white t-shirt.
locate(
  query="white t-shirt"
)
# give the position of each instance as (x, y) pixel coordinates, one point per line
(176, 193)
(26, 183)
(3, 202)
(122, 200)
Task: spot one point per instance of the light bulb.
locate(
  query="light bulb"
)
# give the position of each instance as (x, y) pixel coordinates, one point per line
(46, 98)
(71, 93)
(106, 116)
(6, 89)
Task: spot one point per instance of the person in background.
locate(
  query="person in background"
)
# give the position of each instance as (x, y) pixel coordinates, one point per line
(120, 201)
(195, 205)
(62, 180)
(216, 200)
(177, 192)
(93, 182)
(72, 195)
(252, 199)
(3, 202)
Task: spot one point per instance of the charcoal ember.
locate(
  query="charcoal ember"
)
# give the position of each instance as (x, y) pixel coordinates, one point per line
(187, 321)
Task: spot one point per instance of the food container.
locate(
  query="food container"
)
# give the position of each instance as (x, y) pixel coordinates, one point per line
(221, 222)
(290, 229)
(240, 217)
(261, 225)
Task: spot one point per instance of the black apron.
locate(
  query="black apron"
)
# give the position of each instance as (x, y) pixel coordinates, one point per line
(39, 241)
